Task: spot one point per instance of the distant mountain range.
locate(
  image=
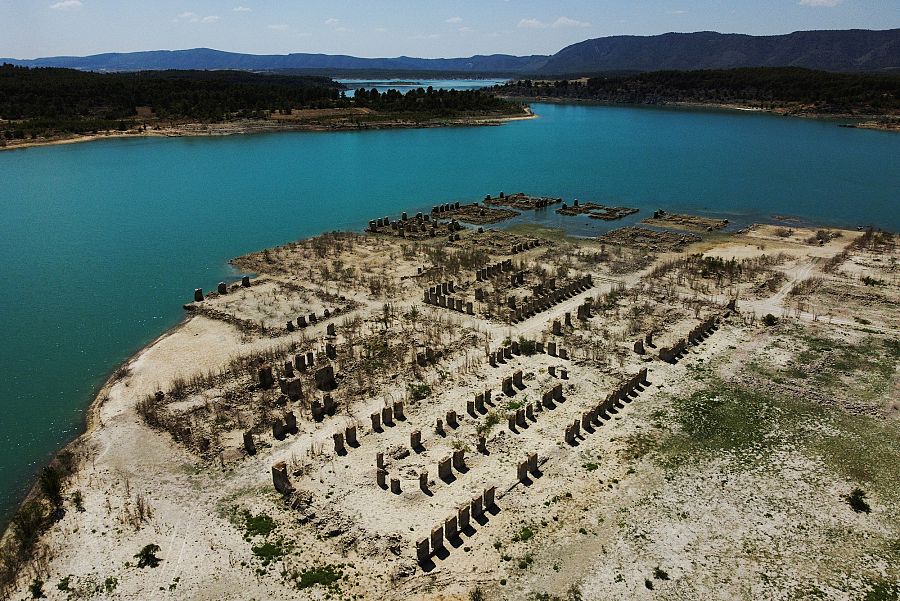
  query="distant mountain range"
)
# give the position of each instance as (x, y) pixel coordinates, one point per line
(850, 50)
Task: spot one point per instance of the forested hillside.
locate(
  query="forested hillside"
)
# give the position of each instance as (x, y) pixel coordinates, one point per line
(766, 88)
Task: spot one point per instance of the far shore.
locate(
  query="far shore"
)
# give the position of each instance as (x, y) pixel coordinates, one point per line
(183, 130)
(875, 122)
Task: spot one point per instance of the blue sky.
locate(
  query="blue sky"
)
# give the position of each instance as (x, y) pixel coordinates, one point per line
(426, 28)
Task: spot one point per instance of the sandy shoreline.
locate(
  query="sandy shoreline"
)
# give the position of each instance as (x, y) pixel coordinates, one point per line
(187, 130)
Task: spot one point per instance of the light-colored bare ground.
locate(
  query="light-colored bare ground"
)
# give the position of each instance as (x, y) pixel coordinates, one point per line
(724, 478)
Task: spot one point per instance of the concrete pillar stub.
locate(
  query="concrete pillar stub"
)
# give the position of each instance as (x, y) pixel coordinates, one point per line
(422, 550)
(280, 478)
(522, 471)
(489, 497)
(459, 460)
(445, 471)
(462, 517)
(451, 527)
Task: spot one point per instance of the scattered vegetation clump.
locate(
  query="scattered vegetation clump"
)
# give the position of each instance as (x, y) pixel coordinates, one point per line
(419, 391)
(524, 534)
(270, 551)
(36, 588)
(870, 281)
(487, 424)
(857, 500)
(147, 556)
(528, 347)
(258, 525)
(326, 576)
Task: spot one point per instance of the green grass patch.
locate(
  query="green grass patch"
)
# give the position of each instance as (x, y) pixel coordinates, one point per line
(524, 534)
(326, 576)
(258, 525)
(271, 551)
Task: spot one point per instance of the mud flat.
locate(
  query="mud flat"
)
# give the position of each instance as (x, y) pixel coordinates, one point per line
(685, 222)
(379, 416)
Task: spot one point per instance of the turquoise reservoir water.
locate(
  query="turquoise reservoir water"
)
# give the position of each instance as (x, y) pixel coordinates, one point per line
(103, 242)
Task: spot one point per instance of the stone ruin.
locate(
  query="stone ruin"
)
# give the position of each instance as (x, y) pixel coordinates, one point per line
(324, 378)
(454, 525)
(545, 299)
(421, 226)
(280, 478)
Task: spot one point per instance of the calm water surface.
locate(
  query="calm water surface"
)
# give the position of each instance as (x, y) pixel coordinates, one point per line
(103, 242)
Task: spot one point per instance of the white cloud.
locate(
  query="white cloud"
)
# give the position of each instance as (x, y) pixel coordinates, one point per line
(192, 17)
(465, 30)
(453, 20)
(332, 21)
(819, 2)
(67, 5)
(242, 9)
(278, 27)
(381, 30)
(559, 23)
(342, 29)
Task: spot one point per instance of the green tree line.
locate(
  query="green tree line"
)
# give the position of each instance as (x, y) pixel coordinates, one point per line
(44, 101)
(767, 87)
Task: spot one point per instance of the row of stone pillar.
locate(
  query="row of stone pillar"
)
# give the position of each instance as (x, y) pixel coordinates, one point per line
(529, 466)
(428, 356)
(344, 439)
(449, 302)
(476, 406)
(386, 416)
(558, 372)
(455, 524)
(516, 381)
(486, 273)
(374, 224)
(538, 304)
(699, 333)
(282, 427)
(593, 416)
(672, 353)
(523, 246)
(505, 353)
(552, 396)
(221, 289)
(444, 208)
(319, 409)
(639, 345)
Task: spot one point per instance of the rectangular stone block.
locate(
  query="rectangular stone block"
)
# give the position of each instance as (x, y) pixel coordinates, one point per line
(437, 537)
(462, 517)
